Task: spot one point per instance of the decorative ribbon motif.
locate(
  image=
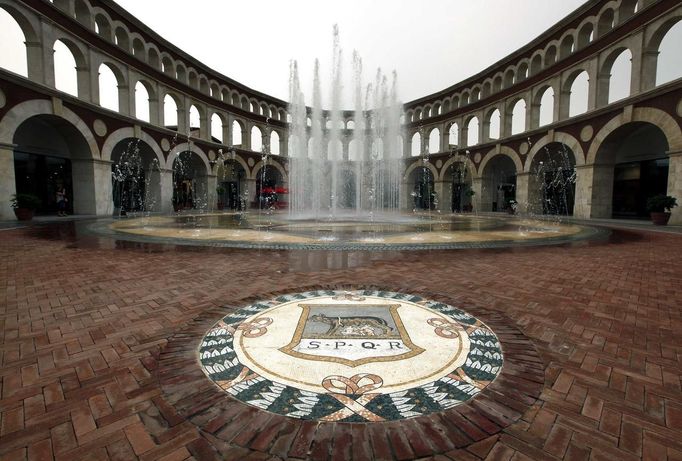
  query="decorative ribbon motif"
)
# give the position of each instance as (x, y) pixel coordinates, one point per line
(341, 387)
(445, 329)
(256, 328)
(352, 385)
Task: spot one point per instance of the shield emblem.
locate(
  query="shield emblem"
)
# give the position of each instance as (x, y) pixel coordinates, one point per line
(351, 334)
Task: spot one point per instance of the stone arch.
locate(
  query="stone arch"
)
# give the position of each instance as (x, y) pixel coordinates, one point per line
(193, 78)
(536, 63)
(121, 36)
(181, 72)
(509, 77)
(585, 33)
(139, 50)
(558, 137)
(103, 25)
(242, 162)
(153, 56)
(129, 132)
(203, 84)
(417, 164)
(567, 46)
(504, 151)
(27, 109)
(273, 163)
(28, 23)
(657, 117)
(492, 118)
(457, 159)
(551, 54)
(523, 70)
(168, 65)
(83, 13)
(187, 147)
(606, 20)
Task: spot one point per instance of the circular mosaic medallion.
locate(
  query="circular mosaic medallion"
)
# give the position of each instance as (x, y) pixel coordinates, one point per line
(351, 356)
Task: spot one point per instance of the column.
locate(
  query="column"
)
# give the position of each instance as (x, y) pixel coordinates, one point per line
(522, 192)
(92, 187)
(251, 192)
(477, 188)
(211, 194)
(8, 184)
(593, 191)
(444, 191)
(166, 190)
(675, 185)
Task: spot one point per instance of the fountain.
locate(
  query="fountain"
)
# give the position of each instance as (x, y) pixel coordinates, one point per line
(349, 199)
(366, 181)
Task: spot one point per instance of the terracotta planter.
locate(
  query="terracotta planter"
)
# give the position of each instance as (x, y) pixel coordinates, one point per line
(660, 218)
(23, 214)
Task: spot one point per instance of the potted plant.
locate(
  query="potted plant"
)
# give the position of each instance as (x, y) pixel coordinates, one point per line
(659, 206)
(220, 190)
(24, 206)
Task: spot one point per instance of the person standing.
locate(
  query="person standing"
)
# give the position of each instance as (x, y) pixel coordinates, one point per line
(61, 200)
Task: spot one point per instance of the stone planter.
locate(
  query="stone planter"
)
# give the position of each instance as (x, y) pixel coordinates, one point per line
(660, 218)
(23, 214)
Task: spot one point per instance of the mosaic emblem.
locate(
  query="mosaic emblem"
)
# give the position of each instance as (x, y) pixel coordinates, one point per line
(351, 333)
(358, 356)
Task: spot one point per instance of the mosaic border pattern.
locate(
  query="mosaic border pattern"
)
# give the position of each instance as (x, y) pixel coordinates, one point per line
(238, 431)
(356, 403)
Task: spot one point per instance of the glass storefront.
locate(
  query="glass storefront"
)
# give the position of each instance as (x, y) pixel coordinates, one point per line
(41, 175)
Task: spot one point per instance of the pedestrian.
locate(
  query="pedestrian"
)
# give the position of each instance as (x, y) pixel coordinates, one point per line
(62, 200)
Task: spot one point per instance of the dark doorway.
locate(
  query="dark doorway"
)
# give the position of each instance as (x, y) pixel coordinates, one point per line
(41, 175)
(634, 183)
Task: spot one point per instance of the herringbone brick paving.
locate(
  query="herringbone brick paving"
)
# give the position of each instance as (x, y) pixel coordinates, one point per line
(84, 322)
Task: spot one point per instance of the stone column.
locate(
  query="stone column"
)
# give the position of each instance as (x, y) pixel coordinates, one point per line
(8, 184)
(35, 67)
(211, 194)
(92, 192)
(675, 184)
(477, 187)
(593, 191)
(488, 194)
(444, 191)
(522, 191)
(166, 190)
(251, 189)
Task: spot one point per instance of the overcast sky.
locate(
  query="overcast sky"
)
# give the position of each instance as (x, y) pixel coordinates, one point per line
(431, 44)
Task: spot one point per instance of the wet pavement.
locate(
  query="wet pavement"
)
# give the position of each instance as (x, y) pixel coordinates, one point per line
(100, 346)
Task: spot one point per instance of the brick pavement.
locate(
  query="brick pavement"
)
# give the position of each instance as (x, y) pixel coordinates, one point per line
(89, 324)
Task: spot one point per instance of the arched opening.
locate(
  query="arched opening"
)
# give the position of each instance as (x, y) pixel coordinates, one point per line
(190, 185)
(121, 38)
(453, 135)
(422, 185)
(567, 47)
(232, 185)
(108, 88)
(82, 13)
(270, 188)
(138, 49)
(142, 102)
(153, 58)
(256, 139)
(194, 121)
(547, 107)
(237, 129)
(45, 147)
(217, 128)
(472, 132)
(170, 112)
(13, 56)
(619, 81)
(167, 66)
(637, 152)
(494, 124)
(416, 147)
(551, 188)
(606, 23)
(459, 179)
(580, 89)
(354, 151)
(518, 124)
(536, 64)
(274, 143)
(499, 184)
(135, 177)
(669, 63)
(65, 73)
(434, 141)
(103, 26)
(550, 56)
(377, 150)
(585, 35)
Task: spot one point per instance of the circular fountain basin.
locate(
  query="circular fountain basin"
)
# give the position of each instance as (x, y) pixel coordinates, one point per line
(384, 232)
